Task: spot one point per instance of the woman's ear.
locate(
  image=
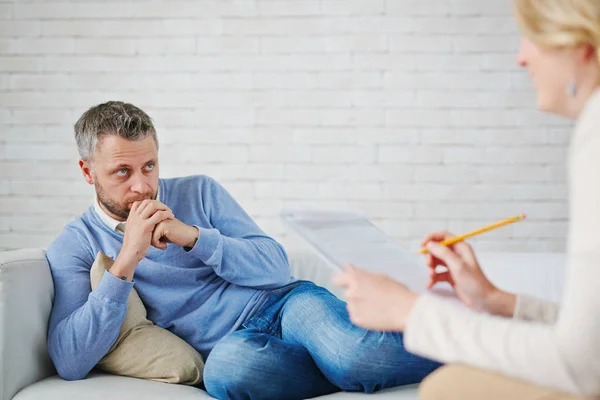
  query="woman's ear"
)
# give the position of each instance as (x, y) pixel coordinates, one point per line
(587, 53)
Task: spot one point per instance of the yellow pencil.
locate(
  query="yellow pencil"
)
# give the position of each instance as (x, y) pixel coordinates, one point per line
(460, 238)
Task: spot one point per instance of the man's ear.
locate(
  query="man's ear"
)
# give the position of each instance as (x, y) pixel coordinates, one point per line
(86, 170)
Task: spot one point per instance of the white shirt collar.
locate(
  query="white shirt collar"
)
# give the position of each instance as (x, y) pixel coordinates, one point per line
(107, 219)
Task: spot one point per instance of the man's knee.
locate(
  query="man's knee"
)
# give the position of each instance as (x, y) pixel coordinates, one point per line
(375, 362)
(231, 367)
(347, 374)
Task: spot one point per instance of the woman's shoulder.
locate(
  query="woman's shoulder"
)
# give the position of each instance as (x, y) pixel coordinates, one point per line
(588, 121)
(587, 129)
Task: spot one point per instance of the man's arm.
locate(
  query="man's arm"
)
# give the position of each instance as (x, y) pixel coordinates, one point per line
(83, 324)
(238, 250)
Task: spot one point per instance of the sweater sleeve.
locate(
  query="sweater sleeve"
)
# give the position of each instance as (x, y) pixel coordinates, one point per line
(236, 248)
(565, 355)
(531, 309)
(83, 324)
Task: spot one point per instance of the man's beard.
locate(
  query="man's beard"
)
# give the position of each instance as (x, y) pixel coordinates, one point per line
(121, 210)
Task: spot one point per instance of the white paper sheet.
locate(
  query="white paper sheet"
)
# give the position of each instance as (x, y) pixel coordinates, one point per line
(343, 238)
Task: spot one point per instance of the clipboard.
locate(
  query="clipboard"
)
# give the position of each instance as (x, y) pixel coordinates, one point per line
(342, 238)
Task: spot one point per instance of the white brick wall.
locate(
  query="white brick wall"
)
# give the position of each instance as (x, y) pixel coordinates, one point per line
(412, 111)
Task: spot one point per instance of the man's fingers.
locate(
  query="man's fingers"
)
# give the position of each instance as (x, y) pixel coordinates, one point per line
(151, 208)
(156, 236)
(134, 207)
(142, 206)
(160, 216)
(160, 245)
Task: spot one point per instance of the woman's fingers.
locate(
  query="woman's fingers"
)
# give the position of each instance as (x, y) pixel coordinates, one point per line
(440, 277)
(437, 237)
(465, 251)
(346, 278)
(451, 260)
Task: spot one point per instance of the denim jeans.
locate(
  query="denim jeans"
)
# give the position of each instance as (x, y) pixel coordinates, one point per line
(301, 344)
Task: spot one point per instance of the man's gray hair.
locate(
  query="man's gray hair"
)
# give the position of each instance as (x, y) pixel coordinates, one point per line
(112, 118)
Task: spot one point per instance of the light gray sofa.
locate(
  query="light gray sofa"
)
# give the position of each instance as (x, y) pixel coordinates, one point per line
(26, 293)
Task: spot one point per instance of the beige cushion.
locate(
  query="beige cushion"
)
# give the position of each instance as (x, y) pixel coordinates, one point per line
(144, 350)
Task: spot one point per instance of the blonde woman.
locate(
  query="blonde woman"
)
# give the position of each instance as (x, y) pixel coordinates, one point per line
(507, 346)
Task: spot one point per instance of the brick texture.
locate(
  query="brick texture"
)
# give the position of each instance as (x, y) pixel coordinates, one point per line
(411, 111)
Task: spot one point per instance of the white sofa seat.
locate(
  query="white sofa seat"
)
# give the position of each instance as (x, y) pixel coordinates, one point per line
(101, 386)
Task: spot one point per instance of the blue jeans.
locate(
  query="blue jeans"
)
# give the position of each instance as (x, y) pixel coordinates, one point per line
(301, 344)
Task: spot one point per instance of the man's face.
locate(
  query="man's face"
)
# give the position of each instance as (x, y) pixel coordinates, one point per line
(122, 172)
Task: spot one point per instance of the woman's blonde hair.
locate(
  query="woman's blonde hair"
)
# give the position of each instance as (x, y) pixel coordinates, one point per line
(560, 23)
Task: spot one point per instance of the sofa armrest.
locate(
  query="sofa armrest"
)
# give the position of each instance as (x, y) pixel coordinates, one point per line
(26, 295)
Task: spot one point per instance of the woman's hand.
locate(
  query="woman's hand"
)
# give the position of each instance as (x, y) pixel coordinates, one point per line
(463, 273)
(375, 301)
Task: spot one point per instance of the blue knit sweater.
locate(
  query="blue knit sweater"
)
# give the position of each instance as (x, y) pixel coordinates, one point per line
(200, 295)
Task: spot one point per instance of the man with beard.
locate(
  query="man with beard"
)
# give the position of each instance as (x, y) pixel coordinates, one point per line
(207, 273)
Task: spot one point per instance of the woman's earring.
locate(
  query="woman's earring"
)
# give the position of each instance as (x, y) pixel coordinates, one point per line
(572, 89)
